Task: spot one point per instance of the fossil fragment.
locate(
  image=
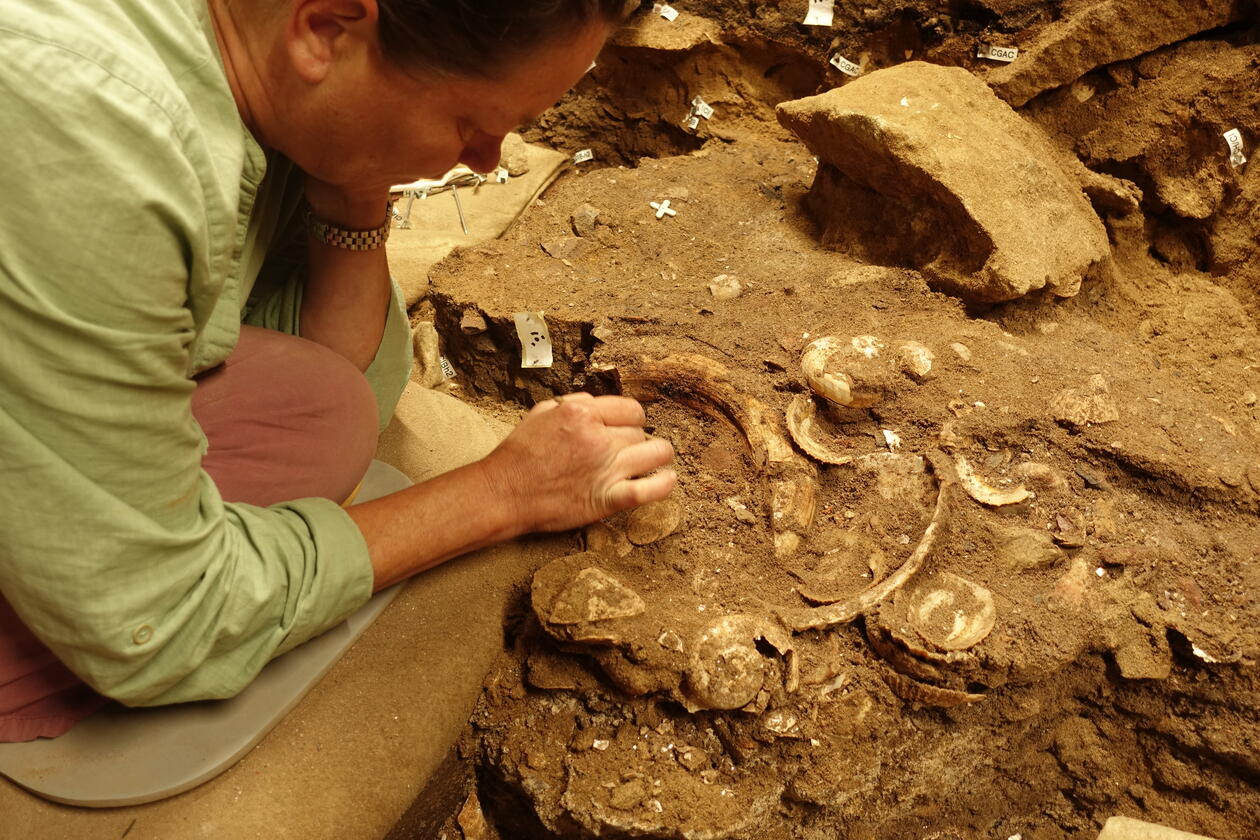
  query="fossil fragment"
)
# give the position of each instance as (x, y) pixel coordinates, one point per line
(705, 384)
(916, 360)
(1081, 407)
(858, 373)
(654, 521)
(725, 669)
(929, 695)
(603, 538)
(984, 493)
(594, 595)
(812, 619)
(951, 612)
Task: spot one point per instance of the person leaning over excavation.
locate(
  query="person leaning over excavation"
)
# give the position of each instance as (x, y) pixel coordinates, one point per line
(201, 340)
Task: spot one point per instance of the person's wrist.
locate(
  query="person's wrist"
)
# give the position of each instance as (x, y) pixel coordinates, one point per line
(352, 212)
(506, 502)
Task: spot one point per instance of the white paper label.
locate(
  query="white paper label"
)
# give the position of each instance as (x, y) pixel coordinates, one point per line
(448, 370)
(666, 11)
(821, 13)
(702, 108)
(584, 156)
(845, 66)
(531, 329)
(1007, 54)
(1234, 139)
(693, 122)
(501, 175)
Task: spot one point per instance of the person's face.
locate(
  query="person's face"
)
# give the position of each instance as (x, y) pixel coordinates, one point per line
(374, 125)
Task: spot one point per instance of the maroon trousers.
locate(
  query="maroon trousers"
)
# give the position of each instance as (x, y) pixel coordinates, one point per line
(285, 419)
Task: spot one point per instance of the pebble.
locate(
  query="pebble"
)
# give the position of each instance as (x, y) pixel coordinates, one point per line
(725, 287)
(654, 521)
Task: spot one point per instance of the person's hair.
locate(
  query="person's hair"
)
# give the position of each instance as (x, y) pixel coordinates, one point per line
(482, 38)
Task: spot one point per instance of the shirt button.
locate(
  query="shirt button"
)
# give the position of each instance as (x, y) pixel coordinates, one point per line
(142, 635)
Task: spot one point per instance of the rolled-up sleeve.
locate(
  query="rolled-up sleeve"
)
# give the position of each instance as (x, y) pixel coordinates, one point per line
(115, 546)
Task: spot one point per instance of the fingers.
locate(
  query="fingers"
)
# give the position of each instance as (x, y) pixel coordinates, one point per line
(642, 458)
(612, 410)
(633, 492)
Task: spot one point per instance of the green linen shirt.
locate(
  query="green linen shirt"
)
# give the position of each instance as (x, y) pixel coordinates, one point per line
(136, 213)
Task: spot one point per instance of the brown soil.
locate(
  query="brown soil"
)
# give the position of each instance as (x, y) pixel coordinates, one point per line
(1120, 674)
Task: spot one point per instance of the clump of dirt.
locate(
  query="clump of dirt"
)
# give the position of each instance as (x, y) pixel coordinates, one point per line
(1011, 590)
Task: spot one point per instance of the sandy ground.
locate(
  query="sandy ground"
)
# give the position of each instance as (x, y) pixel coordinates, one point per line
(1072, 485)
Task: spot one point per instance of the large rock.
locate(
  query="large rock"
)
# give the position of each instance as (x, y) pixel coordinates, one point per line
(1090, 34)
(924, 167)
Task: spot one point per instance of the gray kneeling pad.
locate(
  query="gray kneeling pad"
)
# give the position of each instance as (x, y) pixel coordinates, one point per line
(122, 756)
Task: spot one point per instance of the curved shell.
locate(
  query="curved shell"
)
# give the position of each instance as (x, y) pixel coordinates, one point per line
(984, 493)
(654, 521)
(929, 695)
(800, 422)
(951, 612)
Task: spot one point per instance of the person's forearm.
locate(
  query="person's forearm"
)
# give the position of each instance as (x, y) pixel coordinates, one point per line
(346, 298)
(430, 523)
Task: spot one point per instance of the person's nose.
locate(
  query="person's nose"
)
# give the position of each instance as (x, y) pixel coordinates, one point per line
(482, 153)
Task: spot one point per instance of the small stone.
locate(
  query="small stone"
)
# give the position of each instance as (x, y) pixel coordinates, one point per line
(514, 156)
(725, 287)
(607, 540)
(963, 351)
(567, 248)
(628, 795)
(1027, 550)
(742, 513)
(1250, 398)
(1253, 476)
(584, 220)
(692, 758)
(472, 323)
(654, 521)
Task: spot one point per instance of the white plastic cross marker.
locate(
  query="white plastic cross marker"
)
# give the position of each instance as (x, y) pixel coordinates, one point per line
(663, 209)
(821, 13)
(701, 108)
(666, 11)
(531, 329)
(584, 156)
(1234, 139)
(1007, 54)
(845, 66)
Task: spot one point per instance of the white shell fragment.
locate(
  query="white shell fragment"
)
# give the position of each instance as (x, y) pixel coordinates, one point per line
(801, 415)
(858, 373)
(654, 521)
(984, 493)
(595, 595)
(951, 612)
(725, 287)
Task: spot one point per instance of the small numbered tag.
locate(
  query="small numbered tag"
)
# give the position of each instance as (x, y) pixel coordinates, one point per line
(448, 370)
(701, 108)
(501, 175)
(845, 66)
(1006, 54)
(1234, 139)
(693, 123)
(666, 11)
(531, 329)
(821, 13)
(584, 156)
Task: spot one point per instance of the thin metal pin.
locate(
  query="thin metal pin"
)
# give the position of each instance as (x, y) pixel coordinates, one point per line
(459, 207)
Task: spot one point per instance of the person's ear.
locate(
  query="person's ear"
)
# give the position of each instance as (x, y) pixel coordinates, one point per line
(321, 32)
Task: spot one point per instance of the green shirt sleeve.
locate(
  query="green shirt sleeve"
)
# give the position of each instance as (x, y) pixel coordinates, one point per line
(115, 546)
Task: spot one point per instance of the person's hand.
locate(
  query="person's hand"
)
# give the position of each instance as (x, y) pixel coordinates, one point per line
(577, 459)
